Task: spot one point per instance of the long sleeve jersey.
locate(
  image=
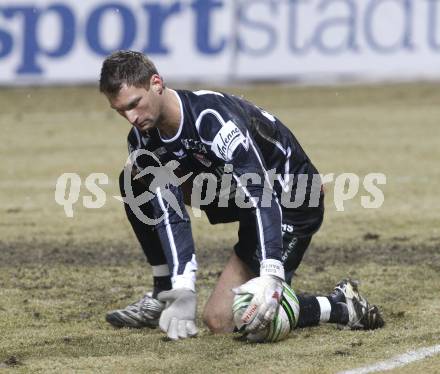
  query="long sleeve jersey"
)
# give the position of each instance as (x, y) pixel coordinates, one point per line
(231, 140)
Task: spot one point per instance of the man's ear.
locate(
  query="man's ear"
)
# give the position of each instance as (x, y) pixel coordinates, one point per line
(156, 83)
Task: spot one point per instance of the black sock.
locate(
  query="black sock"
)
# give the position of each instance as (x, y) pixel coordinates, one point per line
(310, 312)
(161, 284)
(339, 311)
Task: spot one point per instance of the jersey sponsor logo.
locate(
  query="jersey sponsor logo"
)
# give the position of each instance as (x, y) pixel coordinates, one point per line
(227, 140)
(180, 154)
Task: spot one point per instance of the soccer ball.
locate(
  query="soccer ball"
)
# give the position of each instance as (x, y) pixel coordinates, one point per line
(285, 319)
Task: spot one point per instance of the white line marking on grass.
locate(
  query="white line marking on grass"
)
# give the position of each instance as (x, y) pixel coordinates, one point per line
(397, 361)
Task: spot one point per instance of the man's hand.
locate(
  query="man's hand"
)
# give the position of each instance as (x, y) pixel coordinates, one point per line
(267, 291)
(178, 317)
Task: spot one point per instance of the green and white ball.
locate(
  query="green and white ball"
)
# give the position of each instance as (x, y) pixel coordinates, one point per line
(284, 322)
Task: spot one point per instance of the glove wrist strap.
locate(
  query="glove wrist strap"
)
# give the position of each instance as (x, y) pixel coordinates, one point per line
(188, 278)
(183, 281)
(272, 267)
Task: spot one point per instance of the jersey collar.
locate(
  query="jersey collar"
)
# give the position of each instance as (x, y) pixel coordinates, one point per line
(179, 131)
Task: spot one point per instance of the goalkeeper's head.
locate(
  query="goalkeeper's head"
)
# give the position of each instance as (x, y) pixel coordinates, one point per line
(125, 67)
(137, 92)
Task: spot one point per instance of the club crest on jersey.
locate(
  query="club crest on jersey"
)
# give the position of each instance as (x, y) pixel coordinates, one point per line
(227, 140)
(194, 145)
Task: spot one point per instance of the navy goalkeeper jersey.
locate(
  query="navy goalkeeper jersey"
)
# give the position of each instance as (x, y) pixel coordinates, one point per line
(230, 137)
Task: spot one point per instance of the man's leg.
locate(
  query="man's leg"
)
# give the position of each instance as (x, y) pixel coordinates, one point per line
(146, 311)
(317, 309)
(148, 239)
(345, 306)
(217, 314)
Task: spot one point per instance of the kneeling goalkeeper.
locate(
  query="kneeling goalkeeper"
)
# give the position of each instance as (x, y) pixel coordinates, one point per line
(255, 162)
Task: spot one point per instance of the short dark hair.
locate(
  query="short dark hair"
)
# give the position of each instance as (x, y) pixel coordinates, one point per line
(129, 67)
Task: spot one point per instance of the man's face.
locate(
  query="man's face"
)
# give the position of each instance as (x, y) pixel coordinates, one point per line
(140, 106)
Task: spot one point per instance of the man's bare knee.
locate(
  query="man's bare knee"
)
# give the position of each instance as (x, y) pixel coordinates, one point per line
(218, 310)
(217, 323)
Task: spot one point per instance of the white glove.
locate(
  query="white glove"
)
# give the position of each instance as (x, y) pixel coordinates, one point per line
(178, 317)
(267, 290)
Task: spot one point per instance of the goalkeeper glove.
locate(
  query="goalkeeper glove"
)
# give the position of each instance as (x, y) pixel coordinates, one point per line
(267, 290)
(178, 317)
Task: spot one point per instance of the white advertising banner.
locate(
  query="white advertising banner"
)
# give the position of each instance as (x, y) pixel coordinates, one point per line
(65, 41)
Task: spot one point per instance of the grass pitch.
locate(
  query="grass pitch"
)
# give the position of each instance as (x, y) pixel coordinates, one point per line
(58, 275)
